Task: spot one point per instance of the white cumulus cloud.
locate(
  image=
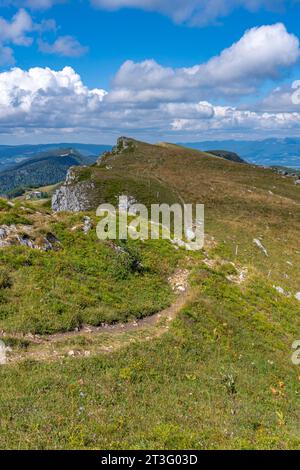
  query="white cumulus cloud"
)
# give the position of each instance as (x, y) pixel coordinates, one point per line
(44, 98)
(148, 99)
(230, 119)
(261, 54)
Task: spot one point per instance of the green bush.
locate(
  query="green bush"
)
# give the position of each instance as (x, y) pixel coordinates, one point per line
(126, 262)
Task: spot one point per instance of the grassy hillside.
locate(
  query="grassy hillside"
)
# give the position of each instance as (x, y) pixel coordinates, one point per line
(80, 281)
(242, 202)
(219, 375)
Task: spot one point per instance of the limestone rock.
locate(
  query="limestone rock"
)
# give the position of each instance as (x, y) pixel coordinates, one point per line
(25, 236)
(259, 244)
(72, 196)
(87, 224)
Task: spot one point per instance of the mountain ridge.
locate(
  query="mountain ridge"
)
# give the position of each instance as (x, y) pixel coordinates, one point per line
(42, 169)
(150, 173)
(12, 154)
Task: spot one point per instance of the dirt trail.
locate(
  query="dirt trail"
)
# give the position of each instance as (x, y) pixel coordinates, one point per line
(105, 338)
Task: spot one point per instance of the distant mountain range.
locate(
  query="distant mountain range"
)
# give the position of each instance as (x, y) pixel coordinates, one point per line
(268, 152)
(11, 155)
(42, 169)
(25, 166)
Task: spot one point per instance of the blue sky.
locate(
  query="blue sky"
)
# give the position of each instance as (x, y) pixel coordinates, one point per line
(198, 69)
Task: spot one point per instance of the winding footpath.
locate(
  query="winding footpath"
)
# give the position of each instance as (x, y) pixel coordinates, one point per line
(90, 341)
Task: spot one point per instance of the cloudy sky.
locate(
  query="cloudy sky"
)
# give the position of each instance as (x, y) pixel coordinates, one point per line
(176, 70)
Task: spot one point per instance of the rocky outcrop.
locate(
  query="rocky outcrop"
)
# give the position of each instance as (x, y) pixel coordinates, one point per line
(72, 196)
(76, 195)
(123, 144)
(25, 236)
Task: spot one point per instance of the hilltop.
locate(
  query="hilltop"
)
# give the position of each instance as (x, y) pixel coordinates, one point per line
(143, 171)
(235, 195)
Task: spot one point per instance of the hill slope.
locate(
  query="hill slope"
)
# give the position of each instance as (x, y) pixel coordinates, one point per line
(42, 169)
(218, 375)
(11, 155)
(234, 194)
(134, 168)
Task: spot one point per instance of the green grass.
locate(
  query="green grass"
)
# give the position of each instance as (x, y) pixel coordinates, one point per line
(108, 185)
(13, 215)
(85, 281)
(221, 378)
(13, 219)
